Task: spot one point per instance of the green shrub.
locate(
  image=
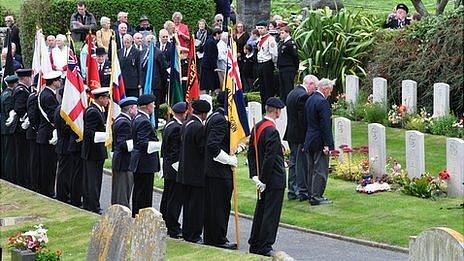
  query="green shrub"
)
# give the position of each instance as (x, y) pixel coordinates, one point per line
(163, 111)
(376, 113)
(415, 122)
(446, 126)
(252, 97)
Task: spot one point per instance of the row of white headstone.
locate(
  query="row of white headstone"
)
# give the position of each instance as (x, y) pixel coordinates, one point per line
(441, 91)
(415, 153)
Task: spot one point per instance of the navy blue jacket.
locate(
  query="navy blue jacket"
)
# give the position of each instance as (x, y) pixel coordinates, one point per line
(20, 95)
(296, 121)
(33, 114)
(94, 121)
(63, 132)
(210, 58)
(217, 139)
(167, 52)
(130, 67)
(170, 148)
(7, 105)
(122, 131)
(319, 123)
(48, 102)
(142, 133)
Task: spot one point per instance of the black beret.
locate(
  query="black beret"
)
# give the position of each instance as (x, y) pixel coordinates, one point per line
(24, 72)
(11, 79)
(179, 107)
(402, 6)
(262, 23)
(220, 98)
(128, 101)
(100, 51)
(275, 102)
(146, 99)
(201, 106)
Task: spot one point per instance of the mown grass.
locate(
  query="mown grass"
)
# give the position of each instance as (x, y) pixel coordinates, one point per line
(70, 229)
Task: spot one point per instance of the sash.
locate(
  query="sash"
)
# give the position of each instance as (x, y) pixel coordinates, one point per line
(262, 40)
(261, 128)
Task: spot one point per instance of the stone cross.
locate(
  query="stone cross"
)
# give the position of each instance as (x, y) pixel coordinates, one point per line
(437, 243)
(149, 236)
(342, 134)
(377, 149)
(415, 156)
(281, 125)
(110, 236)
(209, 99)
(441, 105)
(352, 88)
(455, 166)
(409, 95)
(254, 112)
(380, 90)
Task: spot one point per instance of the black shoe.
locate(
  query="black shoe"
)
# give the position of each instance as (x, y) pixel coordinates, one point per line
(303, 198)
(314, 201)
(176, 236)
(291, 197)
(228, 245)
(270, 253)
(199, 241)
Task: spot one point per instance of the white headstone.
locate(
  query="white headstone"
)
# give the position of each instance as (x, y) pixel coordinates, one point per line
(352, 88)
(281, 124)
(441, 104)
(380, 90)
(409, 95)
(209, 99)
(455, 166)
(342, 134)
(437, 243)
(255, 113)
(377, 149)
(415, 157)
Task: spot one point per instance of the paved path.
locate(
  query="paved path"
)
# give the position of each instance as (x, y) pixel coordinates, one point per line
(298, 244)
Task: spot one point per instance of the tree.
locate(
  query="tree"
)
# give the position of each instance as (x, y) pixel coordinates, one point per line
(439, 7)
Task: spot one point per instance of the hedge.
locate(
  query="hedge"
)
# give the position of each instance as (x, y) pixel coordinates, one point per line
(53, 16)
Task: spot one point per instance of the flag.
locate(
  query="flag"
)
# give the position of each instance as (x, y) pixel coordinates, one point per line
(93, 78)
(193, 87)
(9, 69)
(175, 86)
(117, 91)
(149, 76)
(235, 102)
(41, 63)
(74, 99)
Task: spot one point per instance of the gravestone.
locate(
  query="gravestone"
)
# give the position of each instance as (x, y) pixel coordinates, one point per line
(377, 149)
(438, 243)
(209, 99)
(148, 236)
(441, 104)
(254, 113)
(415, 157)
(111, 235)
(281, 125)
(342, 134)
(409, 95)
(455, 166)
(252, 11)
(379, 93)
(352, 88)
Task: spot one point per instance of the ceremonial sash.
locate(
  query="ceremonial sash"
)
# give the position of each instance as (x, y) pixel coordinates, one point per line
(262, 40)
(261, 128)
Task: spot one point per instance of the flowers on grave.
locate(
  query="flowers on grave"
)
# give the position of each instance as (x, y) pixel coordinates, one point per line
(396, 115)
(426, 186)
(444, 175)
(372, 185)
(34, 240)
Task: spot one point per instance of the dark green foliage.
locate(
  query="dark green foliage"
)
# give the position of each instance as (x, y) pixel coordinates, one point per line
(4, 12)
(376, 113)
(445, 126)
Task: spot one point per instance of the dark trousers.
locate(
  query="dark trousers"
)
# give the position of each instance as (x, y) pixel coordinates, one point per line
(93, 174)
(217, 210)
(193, 215)
(297, 172)
(64, 177)
(8, 158)
(168, 188)
(47, 173)
(21, 156)
(286, 81)
(77, 176)
(173, 208)
(122, 183)
(266, 221)
(318, 165)
(266, 76)
(34, 164)
(132, 92)
(142, 195)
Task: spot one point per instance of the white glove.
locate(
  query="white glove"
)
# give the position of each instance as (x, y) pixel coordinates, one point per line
(111, 154)
(99, 137)
(130, 145)
(25, 125)
(226, 159)
(241, 147)
(11, 117)
(153, 146)
(259, 185)
(175, 166)
(54, 139)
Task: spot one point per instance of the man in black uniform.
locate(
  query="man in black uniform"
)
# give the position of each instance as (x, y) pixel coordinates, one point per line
(192, 171)
(287, 62)
(8, 148)
(76, 180)
(144, 158)
(104, 67)
(123, 144)
(171, 200)
(266, 166)
(129, 59)
(46, 135)
(93, 149)
(33, 118)
(218, 183)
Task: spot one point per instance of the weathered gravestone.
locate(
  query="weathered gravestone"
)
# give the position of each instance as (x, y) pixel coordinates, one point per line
(441, 104)
(409, 95)
(455, 166)
(415, 156)
(209, 99)
(342, 134)
(111, 235)
(149, 236)
(379, 91)
(255, 113)
(252, 11)
(437, 244)
(281, 125)
(352, 88)
(377, 149)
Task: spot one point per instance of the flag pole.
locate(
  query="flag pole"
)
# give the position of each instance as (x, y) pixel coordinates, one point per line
(255, 144)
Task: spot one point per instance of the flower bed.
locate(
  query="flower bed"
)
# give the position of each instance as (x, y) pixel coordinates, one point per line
(33, 241)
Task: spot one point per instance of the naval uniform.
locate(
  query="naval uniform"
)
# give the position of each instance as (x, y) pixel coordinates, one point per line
(65, 163)
(267, 55)
(20, 95)
(76, 182)
(288, 63)
(8, 148)
(33, 115)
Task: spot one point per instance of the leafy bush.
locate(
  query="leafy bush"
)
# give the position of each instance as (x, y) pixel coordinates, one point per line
(376, 113)
(426, 187)
(446, 125)
(252, 97)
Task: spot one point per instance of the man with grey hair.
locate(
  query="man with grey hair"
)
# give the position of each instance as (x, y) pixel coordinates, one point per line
(14, 32)
(298, 183)
(105, 33)
(138, 42)
(121, 31)
(129, 60)
(122, 19)
(319, 140)
(51, 42)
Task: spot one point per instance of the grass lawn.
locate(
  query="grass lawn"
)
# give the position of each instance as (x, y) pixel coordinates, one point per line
(70, 229)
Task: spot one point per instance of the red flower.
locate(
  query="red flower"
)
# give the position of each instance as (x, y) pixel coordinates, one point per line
(402, 109)
(347, 150)
(343, 146)
(444, 175)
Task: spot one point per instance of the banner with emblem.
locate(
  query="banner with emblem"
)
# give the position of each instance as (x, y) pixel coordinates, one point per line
(93, 78)
(193, 87)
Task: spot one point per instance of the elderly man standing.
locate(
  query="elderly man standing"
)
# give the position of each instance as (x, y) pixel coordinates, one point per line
(165, 45)
(319, 140)
(105, 33)
(182, 30)
(295, 135)
(129, 59)
(121, 31)
(122, 19)
(81, 22)
(14, 32)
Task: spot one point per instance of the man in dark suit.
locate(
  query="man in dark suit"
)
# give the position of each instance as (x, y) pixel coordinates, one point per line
(171, 200)
(287, 62)
(104, 67)
(165, 45)
(33, 118)
(266, 166)
(218, 184)
(129, 59)
(192, 171)
(399, 18)
(123, 144)
(93, 149)
(65, 163)
(47, 135)
(319, 140)
(7, 118)
(295, 135)
(144, 158)
(120, 30)
(209, 78)
(123, 19)
(14, 33)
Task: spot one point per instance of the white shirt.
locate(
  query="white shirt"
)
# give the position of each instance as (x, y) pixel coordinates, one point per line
(60, 56)
(268, 50)
(270, 119)
(222, 55)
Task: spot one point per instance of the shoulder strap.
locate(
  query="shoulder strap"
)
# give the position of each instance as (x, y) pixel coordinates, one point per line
(261, 128)
(41, 109)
